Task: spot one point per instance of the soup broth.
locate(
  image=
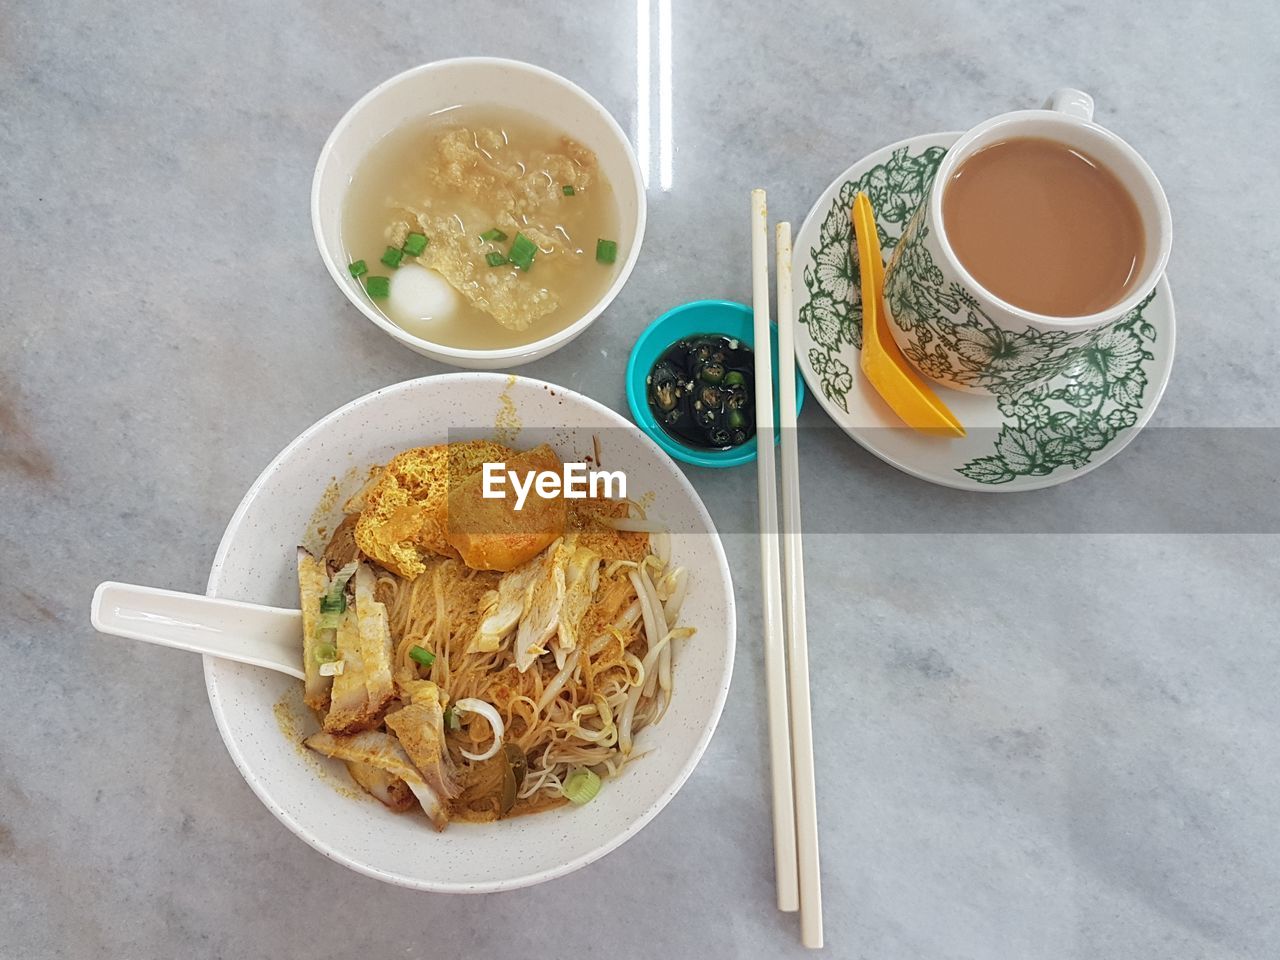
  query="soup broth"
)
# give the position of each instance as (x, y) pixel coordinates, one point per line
(487, 187)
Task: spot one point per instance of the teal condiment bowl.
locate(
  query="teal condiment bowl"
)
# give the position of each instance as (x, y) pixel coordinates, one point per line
(707, 317)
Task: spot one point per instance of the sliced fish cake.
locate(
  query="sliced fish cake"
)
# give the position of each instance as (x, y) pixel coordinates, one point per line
(378, 749)
(312, 584)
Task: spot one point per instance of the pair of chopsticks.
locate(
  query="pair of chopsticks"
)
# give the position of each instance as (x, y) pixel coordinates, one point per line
(795, 808)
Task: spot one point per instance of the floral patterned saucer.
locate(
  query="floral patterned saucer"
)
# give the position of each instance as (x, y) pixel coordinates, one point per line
(1027, 438)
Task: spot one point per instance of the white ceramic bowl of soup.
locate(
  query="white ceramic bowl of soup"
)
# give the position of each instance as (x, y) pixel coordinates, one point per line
(260, 713)
(414, 97)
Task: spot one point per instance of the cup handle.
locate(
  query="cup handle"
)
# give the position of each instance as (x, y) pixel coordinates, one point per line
(1074, 103)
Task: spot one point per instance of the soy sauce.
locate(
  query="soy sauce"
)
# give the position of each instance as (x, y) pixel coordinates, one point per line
(701, 391)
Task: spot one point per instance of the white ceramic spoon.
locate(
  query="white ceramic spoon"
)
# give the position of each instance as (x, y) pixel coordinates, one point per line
(263, 636)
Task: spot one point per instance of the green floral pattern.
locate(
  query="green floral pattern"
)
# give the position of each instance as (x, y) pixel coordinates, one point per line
(1059, 423)
(1064, 422)
(833, 311)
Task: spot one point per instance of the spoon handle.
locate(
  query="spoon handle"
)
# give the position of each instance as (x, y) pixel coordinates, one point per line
(246, 632)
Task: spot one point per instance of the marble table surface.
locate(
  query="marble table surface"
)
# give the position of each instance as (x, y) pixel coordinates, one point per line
(1046, 723)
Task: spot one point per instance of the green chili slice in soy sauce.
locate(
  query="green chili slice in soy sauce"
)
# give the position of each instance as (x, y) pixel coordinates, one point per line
(700, 391)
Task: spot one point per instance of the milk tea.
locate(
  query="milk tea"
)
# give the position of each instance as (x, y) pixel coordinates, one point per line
(1044, 227)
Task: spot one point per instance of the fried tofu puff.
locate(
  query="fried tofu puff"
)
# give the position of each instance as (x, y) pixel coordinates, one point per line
(403, 519)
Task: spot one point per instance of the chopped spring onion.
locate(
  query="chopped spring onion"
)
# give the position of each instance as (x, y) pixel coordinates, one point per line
(421, 655)
(451, 719)
(329, 619)
(333, 603)
(415, 243)
(486, 710)
(581, 786)
(493, 235)
(379, 287)
(393, 257)
(567, 190)
(358, 269)
(338, 586)
(495, 258)
(522, 252)
(334, 600)
(606, 251)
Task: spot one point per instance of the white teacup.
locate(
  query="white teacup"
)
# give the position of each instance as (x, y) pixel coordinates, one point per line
(963, 335)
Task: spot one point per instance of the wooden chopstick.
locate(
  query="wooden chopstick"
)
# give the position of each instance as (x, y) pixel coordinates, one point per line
(775, 667)
(797, 630)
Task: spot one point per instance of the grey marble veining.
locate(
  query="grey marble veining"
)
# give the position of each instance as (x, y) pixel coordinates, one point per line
(1034, 746)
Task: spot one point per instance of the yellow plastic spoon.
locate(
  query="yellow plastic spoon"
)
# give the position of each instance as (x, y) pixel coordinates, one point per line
(883, 364)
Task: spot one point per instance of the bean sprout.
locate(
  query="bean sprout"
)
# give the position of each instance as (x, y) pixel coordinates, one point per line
(677, 586)
(662, 676)
(486, 710)
(633, 698)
